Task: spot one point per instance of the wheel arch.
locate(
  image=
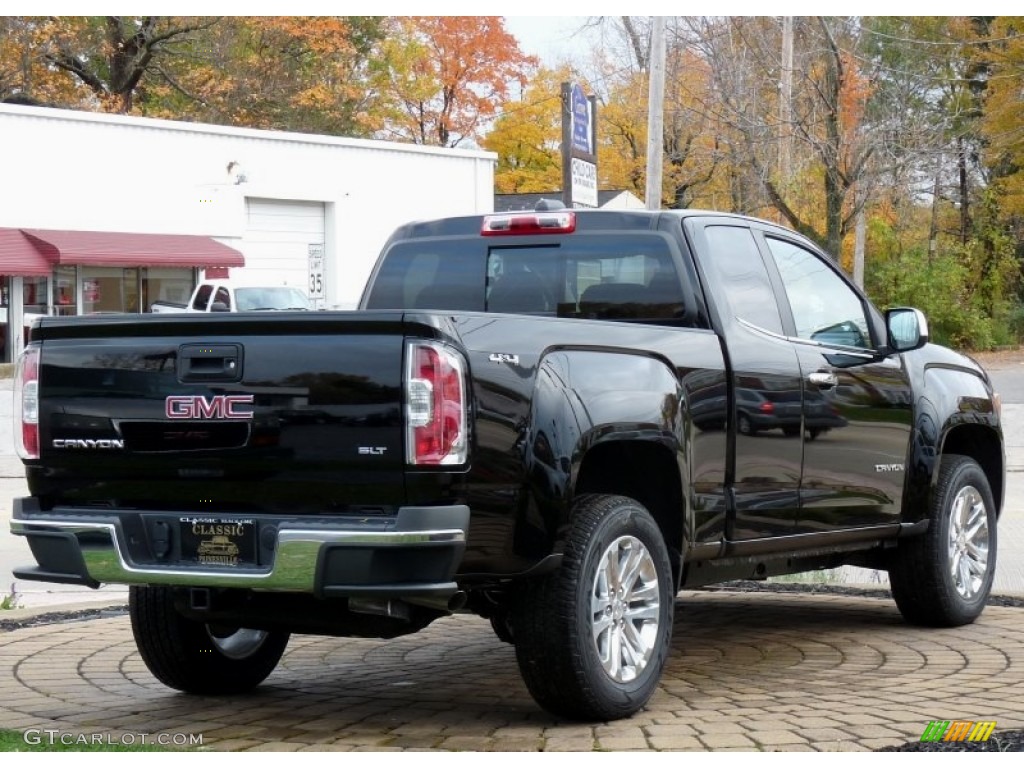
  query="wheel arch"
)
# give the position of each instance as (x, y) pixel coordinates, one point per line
(985, 446)
(647, 472)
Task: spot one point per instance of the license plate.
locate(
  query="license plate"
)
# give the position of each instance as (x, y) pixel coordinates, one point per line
(218, 541)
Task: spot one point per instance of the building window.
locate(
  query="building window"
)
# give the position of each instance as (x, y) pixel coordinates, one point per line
(109, 289)
(34, 296)
(166, 284)
(65, 297)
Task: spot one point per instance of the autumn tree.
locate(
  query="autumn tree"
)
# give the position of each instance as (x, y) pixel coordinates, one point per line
(281, 72)
(689, 140)
(25, 74)
(447, 76)
(527, 137)
(114, 57)
(830, 90)
(1003, 122)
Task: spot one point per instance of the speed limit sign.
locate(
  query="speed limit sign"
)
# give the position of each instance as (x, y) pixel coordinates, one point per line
(316, 272)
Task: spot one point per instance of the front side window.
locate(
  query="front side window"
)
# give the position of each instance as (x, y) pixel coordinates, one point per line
(824, 307)
(202, 298)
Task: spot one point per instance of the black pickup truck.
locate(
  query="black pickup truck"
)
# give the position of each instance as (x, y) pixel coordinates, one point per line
(553, 419)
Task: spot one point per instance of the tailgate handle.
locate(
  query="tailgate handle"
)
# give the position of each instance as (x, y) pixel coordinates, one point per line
(210, 362)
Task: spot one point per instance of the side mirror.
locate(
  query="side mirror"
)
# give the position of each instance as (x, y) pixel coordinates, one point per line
(907, 327)
(219, 306)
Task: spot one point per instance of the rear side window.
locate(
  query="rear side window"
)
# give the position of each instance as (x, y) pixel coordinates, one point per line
(742, 285)
(610, 277)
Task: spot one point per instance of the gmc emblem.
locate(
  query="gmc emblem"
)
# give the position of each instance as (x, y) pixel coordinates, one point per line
(199, 407)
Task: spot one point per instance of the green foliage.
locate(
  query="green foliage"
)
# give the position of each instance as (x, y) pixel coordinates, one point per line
(11, 600)
(967, 291)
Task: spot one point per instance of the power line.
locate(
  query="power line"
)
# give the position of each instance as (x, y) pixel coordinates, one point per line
(917, 41)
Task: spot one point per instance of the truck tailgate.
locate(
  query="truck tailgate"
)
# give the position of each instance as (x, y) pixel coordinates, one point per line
(294, 415)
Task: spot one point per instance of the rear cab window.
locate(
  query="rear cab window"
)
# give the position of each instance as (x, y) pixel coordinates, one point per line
(615, 276)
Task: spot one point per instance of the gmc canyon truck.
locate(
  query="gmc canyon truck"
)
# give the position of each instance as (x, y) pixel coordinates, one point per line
(534, 417)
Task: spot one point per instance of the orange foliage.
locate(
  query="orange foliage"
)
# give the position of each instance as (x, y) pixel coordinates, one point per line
(447, 76)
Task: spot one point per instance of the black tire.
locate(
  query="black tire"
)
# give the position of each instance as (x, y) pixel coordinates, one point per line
(745, 425)
(501, 623)
(184, 654)
(554, 617)
(935, 577)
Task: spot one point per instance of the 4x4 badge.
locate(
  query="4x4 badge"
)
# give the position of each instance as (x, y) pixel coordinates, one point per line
(501, 357)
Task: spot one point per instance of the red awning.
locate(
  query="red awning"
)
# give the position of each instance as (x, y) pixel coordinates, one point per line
(19, 257)
(122, 249)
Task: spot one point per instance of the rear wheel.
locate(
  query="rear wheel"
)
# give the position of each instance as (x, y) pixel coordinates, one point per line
(195, 657)
(745, 425)
(943, 578)
(592, 638)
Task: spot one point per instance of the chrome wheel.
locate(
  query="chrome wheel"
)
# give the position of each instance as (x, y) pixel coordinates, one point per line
(237, 643)
(968, 542)
(625, 608)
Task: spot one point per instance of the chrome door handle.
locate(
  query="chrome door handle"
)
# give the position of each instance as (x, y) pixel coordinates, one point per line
(823, 379)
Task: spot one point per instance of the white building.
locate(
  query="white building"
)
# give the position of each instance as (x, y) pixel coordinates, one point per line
(105, 213)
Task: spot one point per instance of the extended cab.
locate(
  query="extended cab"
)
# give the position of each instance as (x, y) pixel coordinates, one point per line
(231, 296)
(555, 420)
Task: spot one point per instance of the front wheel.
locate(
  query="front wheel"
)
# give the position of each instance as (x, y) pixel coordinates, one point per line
(592, 638)
(943, 577)
(195, 657)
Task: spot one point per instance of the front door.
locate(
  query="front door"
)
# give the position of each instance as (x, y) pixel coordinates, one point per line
(856, 407)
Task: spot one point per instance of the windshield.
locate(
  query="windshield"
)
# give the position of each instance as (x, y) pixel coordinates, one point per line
(281, 297)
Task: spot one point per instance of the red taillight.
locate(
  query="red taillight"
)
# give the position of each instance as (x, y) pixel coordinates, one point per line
(767, 408)
(540, 223)
(435, 392)
(26, 404)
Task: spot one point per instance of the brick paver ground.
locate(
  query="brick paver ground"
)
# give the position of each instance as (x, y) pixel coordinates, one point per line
(749, 671)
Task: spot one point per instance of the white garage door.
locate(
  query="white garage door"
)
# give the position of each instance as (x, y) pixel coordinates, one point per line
(277, 240)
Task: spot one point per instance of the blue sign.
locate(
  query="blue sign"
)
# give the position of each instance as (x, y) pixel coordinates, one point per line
(582, 125)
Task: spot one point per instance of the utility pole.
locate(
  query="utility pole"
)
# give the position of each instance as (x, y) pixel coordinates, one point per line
(656, 114)
(860, 233)
(786, 102)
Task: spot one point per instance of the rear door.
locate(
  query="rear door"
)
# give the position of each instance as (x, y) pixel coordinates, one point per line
(764, 367)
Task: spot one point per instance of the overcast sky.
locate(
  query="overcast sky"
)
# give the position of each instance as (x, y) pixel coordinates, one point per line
(552, 38)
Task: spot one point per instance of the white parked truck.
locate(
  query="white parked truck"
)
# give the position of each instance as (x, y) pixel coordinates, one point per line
(233, 296)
